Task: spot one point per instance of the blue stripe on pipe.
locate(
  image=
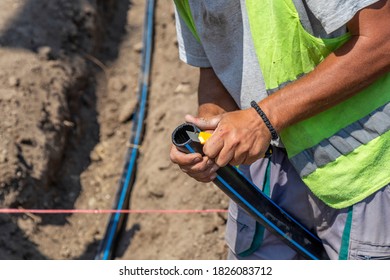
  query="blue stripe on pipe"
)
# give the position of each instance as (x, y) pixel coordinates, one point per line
(297, 245)
(281, 209)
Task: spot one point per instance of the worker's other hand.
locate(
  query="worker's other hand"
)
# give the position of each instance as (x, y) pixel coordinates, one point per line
(201, 168)
(239, 137)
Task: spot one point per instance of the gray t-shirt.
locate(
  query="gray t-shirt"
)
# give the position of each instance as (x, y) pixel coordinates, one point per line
(227, 46)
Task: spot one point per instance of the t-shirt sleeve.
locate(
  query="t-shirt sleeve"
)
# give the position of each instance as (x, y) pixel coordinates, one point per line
(334, 14)
(190, 49)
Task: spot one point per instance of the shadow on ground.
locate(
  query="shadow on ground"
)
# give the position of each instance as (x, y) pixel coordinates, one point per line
(65, 31)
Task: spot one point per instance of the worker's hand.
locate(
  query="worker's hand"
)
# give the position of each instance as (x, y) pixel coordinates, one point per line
(239, 137)
(201, 168)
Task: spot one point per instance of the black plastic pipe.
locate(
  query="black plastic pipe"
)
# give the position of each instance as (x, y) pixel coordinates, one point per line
(107, 247)
(236, 186)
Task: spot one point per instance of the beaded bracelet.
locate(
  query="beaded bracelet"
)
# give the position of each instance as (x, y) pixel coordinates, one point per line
(274, 135)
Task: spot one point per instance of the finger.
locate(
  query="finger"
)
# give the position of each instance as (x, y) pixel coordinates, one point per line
(213, 147)
(257, 152)
(206, 180)
(239, 158)
(225, 156)
(242, 152)
(202, 167)
(206, 176)
(181, 158)
(204, 123)
(251, 158)
(202, 172)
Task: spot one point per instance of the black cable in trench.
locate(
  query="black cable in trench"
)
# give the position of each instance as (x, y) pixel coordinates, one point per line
(107, 246)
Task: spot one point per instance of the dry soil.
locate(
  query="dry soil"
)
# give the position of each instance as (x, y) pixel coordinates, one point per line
(69, 75)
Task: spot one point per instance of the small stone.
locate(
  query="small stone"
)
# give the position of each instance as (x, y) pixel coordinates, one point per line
(45, 53)
(13, 81)
(138, 47)
(156, 194)
(166, 165)
(99, 152)
(88, 9)
(183, 88)
(127, 110)
(117, 84)
(91, 202)
(3, 156)
(101, 148)
(68, 123)
(94, 156)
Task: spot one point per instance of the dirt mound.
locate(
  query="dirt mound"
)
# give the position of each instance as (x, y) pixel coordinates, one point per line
(68, 85)
(44, 72)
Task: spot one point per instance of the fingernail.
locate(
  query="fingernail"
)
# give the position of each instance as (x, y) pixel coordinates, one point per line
(196, 160)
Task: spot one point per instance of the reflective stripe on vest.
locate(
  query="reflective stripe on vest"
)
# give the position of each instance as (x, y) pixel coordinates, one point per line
(342, 154)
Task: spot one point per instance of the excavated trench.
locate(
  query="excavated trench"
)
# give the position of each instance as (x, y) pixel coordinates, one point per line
(68, 83)
(53, 57)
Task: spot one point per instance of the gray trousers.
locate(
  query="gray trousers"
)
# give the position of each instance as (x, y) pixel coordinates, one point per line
(361, 231)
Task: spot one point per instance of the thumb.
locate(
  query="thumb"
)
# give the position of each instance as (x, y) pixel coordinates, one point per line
(209, 123)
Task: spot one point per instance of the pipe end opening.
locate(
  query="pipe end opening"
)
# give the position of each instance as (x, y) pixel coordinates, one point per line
(180, 136)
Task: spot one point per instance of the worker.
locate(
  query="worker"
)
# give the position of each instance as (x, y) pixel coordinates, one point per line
(310, 78)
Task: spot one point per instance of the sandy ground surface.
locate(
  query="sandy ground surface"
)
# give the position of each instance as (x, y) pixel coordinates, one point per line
(68, 90)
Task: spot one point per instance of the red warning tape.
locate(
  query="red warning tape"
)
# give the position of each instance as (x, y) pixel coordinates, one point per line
(106, 211)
